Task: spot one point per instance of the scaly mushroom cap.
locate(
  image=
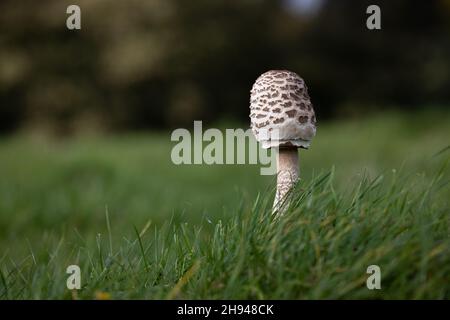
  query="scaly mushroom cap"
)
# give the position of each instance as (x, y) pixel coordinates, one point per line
(279, 101)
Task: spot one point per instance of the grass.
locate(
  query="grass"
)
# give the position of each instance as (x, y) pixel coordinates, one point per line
(373, 192)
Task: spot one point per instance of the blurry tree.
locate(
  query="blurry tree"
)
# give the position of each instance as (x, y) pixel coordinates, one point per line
(162, 63)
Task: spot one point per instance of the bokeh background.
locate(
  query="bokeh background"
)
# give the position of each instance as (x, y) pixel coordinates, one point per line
(157, 64)
(86, 118)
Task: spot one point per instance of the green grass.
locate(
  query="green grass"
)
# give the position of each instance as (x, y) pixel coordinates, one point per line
(373, 192)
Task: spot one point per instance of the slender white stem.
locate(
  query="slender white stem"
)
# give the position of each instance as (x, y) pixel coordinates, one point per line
(287, 176)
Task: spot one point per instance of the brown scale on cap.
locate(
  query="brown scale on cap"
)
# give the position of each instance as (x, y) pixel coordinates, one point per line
(286, 108)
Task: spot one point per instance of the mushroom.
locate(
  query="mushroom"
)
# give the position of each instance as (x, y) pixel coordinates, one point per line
(282, 117)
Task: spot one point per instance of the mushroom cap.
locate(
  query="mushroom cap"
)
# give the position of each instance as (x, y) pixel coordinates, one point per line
(281, 112)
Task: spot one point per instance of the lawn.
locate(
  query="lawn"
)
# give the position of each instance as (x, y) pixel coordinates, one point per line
(373, 191)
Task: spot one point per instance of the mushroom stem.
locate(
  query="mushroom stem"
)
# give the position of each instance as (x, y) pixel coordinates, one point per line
(287, 176)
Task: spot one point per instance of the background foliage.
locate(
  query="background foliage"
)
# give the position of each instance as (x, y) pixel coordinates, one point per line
(375, 183)
(163, 63)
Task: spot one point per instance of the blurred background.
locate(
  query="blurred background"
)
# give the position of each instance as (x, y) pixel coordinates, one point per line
(86, 115)
(157, 64)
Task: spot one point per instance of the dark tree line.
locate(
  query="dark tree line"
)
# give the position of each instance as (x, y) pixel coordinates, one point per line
(163, 63)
